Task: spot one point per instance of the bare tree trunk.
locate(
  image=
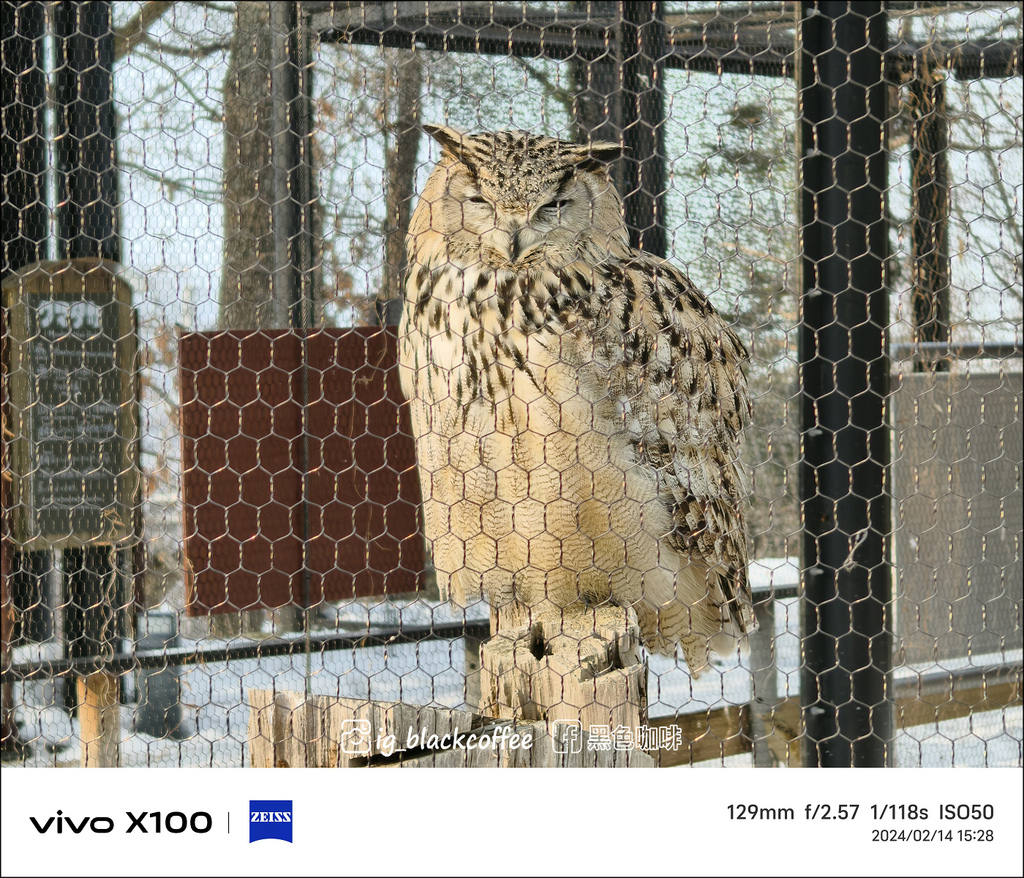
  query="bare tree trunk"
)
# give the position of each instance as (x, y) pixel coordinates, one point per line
(929, 168)
(246, 300)
(245, 295)
(403, 84)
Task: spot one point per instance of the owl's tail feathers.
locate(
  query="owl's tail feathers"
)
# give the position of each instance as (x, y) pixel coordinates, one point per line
(719, 622)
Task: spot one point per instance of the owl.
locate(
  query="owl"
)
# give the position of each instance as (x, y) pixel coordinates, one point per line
(577, 404)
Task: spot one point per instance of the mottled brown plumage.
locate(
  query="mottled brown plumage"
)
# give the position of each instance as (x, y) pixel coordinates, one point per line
(577, 404)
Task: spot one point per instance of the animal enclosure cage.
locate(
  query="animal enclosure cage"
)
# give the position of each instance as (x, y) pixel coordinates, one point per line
(211, 508)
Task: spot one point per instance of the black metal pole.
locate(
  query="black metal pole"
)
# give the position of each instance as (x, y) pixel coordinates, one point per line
(597, 82)
(846, 629)
(23, 218)
(84, 135)
(87, 227)
(291, 157)
(23, 136)
(643, 123)
(620, 97)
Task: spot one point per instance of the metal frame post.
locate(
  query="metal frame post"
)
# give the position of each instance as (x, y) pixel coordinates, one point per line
(23, 136)
(643, 123)
(85, 131)
(23, 218)
(846, 629)
(620, 97)
(290, 159)
(84, 155)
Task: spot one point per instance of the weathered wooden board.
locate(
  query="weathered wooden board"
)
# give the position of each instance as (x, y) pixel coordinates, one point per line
(287, 730)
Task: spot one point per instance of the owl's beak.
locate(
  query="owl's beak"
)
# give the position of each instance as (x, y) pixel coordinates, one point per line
(515, 246)
(521, 239)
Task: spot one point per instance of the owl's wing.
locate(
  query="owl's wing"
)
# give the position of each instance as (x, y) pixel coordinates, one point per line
(684, 400)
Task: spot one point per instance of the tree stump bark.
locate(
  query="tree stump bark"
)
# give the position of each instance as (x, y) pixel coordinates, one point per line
(584, 668)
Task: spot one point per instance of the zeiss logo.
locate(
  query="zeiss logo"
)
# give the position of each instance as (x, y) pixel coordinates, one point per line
(270, 818)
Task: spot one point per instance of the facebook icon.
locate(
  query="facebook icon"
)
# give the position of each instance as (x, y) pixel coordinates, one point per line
(270, 818)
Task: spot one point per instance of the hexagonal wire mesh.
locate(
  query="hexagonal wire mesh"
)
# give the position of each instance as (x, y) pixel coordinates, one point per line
(212, 500)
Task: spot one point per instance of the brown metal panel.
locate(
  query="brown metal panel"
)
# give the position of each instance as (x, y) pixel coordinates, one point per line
(241, 419)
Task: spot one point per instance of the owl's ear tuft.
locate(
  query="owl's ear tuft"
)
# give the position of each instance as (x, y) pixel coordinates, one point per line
(451, 140)
(598, 155)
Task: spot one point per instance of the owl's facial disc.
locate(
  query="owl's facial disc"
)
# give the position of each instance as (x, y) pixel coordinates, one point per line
(516, 231)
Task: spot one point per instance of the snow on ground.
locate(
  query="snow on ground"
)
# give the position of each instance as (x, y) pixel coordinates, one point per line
(215, 695)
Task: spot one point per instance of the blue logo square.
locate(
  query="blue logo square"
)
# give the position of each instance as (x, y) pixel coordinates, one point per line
(270, 818)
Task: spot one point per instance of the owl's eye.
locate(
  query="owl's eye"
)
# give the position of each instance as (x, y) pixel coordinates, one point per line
(551, 211)
(477, 199)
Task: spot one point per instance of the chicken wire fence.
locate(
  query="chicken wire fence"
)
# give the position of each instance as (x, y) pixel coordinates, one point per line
(210, 480)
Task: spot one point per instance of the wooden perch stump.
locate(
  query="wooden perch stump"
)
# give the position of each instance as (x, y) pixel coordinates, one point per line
(549, 690)
(586, 668)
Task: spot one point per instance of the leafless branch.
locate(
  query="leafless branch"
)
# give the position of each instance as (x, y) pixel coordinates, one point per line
(193, 51)
(175, 186)
(135, 31)
(213, 111)
(561, 95)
